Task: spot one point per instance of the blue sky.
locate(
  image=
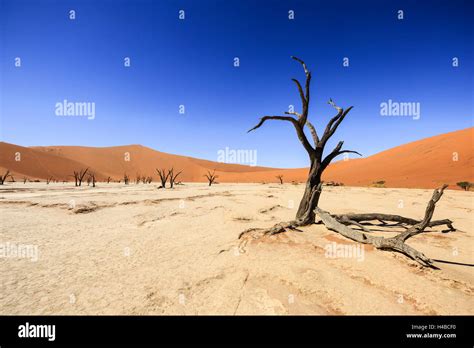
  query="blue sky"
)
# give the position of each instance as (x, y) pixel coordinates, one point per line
(190, 62)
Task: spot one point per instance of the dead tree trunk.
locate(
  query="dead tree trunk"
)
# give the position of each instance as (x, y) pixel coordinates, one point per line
(163, 177)
(126, 179)
(280, 177)
(4, 177)
(211, 177)
(172, 176)
(91, 179)
(318, 163)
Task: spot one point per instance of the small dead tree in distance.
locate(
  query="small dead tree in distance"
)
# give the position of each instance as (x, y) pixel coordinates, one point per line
(309, 203)
(126, 179)
(91, 178)
(4, 177)
(211, 177)
(79, 176)
(173, 177)
(280, 177)
(163, 177)
(48, 180)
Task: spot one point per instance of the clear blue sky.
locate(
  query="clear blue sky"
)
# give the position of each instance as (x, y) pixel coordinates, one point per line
(190, 62)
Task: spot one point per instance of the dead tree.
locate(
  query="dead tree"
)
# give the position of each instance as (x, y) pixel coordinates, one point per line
(5, 177)
(79, 176)
(25, 179)
(280, 177)
(172, 176)
(91, 178)
(108, 179)
(318, 163)
(48, 180)
(305, 214)
(163, 177)
(126, 179)
(149, 179)
(211, 177)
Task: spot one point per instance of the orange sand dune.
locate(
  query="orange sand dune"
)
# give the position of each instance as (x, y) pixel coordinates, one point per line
(423, 164)
(427, 163)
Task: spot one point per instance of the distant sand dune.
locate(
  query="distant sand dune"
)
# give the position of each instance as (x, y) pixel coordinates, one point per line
(421, 164)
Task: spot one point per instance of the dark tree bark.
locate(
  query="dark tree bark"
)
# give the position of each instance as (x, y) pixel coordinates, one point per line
(305, 214)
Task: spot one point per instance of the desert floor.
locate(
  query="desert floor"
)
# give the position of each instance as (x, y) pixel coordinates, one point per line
(134, 249)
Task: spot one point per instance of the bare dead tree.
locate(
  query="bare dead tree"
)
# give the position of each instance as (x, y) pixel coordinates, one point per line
(318, 163)
(5, 177)
(149, 179)
(126, 179)
(48, 180)
(305, 214)
(25, 179)
(108, 179)
(172, 176)
(79, 176)
(91, 179)
(163, 177)
(280, 177)
(211, 177)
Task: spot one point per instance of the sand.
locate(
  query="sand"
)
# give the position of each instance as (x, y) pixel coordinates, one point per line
(134, 249)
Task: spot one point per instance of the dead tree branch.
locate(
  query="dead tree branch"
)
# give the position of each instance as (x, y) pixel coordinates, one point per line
(396, 243)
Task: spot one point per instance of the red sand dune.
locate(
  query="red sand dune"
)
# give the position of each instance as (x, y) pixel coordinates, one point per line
(426, 163)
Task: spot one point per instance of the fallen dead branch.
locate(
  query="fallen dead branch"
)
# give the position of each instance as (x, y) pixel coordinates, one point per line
(340, 224)
(396, 243)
